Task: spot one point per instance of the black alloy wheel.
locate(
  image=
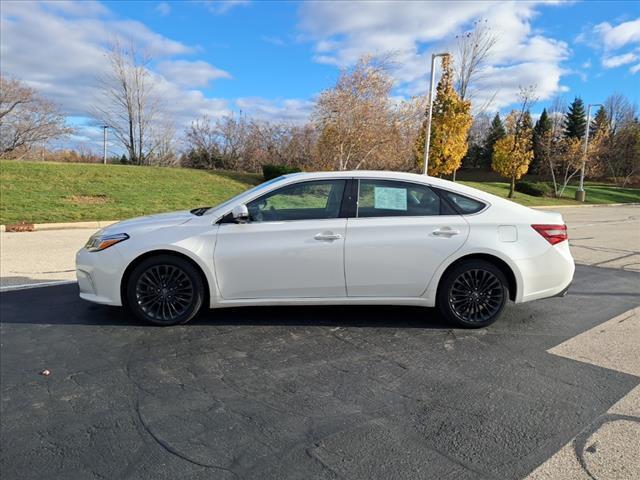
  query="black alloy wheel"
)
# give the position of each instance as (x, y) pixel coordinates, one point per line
(165, 290)
(473, 294)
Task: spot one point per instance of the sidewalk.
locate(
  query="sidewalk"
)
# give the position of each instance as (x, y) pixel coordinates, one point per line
(37, 257)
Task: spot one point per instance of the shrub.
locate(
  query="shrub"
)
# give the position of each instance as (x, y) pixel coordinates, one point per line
(535, 189)
(274, 171)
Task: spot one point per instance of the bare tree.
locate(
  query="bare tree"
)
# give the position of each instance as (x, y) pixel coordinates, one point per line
(620, 145)
(165, 145)
(620, 111)
(473, 49)
(357, 122)
(128, 103)
(564, 155)
(27, 120)
(202, 139)
(240, 143)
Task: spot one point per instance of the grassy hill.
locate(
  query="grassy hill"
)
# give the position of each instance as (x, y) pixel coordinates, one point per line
(64, 192)
(37, 192)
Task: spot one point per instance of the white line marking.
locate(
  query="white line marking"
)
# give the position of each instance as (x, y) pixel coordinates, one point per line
(27, 286)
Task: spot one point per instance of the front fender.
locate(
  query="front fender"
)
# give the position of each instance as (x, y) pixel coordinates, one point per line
(196, 246)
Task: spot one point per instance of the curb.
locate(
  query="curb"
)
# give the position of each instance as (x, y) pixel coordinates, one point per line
(65, 225)
(588, 205)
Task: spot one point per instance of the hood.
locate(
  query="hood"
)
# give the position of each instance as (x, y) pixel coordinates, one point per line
(150, 222)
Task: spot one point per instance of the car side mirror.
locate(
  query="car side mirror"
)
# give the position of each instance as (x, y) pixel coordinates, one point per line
(240, 213)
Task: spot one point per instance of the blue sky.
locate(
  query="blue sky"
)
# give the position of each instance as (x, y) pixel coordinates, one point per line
(270, 59)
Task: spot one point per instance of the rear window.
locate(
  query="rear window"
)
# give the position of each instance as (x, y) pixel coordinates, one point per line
(464, 205)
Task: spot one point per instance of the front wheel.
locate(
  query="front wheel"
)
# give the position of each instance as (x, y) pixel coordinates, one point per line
(165, 290)
(473, 294)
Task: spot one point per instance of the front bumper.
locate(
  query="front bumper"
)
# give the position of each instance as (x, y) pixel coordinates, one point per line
(99, 275)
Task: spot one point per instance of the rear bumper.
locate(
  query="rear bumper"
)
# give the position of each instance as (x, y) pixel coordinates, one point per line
(547, 275)
(563, 293)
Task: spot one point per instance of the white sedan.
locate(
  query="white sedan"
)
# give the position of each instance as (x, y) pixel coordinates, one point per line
(333, 238)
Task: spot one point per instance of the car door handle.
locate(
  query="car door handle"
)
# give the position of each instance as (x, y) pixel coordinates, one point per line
(445, 232)
(327, 236)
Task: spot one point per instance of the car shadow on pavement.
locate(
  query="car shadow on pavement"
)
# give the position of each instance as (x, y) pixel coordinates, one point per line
(30, 307)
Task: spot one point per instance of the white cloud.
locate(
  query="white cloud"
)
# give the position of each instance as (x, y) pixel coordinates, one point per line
(342, 32)
(619, 60)
(191, 73)
(287, 110)
(163, 8)
(619, 44)
(220, 7)
(60, 48)
(635, 69)
(620, 35)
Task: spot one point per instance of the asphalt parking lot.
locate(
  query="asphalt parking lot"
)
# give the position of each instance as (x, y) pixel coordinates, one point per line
(549, 392)
(299, 393)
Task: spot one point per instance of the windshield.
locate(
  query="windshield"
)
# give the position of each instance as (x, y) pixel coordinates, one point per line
(202, 210)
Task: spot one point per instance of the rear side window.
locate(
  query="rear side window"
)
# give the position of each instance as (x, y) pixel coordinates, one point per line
(464, 205)
(388, 198)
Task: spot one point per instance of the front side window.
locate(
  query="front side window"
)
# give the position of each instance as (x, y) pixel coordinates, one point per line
(388, 198)
(320, 199)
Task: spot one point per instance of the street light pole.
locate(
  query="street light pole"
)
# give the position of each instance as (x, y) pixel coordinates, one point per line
(427, 140)
(580, 193)
(104, 144)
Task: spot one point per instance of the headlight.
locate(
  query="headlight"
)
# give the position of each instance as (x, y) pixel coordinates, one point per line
(99, 241)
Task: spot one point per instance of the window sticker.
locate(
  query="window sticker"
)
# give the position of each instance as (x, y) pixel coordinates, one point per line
(389, 198)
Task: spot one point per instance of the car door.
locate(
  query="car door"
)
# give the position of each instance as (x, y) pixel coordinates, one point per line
(401, 233)
(292, 246)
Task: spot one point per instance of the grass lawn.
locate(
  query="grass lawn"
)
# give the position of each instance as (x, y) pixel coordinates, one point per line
(597, 193)
(38, 192)
(63, 192)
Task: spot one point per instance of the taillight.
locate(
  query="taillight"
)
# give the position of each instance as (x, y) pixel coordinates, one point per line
(552, 233)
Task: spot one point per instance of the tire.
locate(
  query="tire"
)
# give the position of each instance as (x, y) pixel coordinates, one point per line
(165, 290)
(473, 294)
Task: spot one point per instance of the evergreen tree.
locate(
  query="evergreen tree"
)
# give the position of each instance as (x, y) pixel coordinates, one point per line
(600, 123)
(541, 137)
(496, 132)
(575, 121)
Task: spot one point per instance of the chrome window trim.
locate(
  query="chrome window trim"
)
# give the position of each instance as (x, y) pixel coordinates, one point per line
(486, 203)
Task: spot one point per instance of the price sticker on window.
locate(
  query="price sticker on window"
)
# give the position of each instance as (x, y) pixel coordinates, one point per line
(388, 198)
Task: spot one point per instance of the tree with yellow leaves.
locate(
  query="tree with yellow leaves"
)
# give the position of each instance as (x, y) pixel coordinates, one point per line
(450, 125)
(513, 153)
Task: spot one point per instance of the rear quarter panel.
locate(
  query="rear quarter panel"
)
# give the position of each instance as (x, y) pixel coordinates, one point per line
(504, 231)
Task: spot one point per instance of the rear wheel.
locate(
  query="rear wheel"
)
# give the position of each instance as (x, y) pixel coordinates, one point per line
(165, 290)
(473, 294)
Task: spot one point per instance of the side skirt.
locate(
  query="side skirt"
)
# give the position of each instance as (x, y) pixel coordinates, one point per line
(245, 302)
